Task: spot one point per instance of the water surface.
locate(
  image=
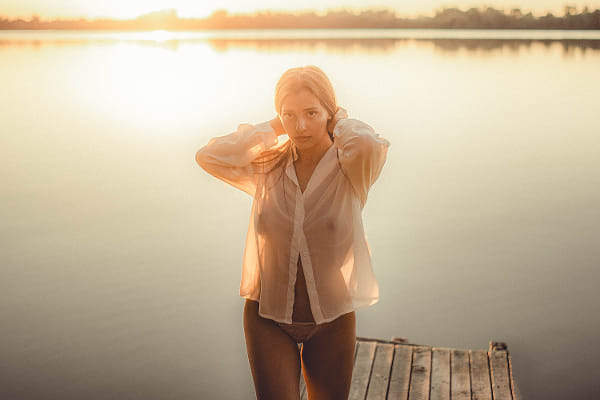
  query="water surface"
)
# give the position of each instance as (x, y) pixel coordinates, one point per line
(120, 258)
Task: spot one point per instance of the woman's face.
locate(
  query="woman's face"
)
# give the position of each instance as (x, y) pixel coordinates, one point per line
(305, 120)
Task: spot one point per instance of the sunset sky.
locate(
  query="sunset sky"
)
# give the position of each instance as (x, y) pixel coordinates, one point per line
(194, 8)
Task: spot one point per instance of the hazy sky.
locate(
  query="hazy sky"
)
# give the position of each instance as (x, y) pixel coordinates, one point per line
(199, 8)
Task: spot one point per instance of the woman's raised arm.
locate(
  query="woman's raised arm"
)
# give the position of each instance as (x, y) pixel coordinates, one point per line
(230, 157)
(361, 151)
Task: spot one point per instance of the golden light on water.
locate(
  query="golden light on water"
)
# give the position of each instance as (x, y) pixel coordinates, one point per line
(113, 238)
(160, 35)
(149, 86)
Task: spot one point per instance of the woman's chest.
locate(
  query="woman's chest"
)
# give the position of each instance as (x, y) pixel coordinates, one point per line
(327, 206)
(304, 172)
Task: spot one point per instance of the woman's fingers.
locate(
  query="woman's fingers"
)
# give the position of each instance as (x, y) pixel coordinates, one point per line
(277, 126)
(340, 114)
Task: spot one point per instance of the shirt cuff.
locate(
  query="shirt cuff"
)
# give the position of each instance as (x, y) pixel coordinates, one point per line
(264, 127)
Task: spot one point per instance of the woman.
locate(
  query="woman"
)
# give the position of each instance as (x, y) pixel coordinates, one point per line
(306, 263)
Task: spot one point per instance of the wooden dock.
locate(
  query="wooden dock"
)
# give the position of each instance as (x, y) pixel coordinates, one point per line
(397, 369)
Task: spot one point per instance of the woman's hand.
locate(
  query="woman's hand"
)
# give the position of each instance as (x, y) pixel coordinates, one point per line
(277, 126)
(340, 114)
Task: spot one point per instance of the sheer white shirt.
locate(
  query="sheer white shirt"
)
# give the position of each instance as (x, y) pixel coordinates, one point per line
(322, 225)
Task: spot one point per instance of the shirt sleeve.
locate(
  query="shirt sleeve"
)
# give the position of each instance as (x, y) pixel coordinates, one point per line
(361, 152)
(229, 158)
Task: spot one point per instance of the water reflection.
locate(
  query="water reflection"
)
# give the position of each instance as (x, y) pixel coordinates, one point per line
(373, 45)
(489, 45)
(384, 46)
(115, 246)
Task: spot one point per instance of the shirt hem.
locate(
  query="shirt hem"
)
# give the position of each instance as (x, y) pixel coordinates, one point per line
(321, 320)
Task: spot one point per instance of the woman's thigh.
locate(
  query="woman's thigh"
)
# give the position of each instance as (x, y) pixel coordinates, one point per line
(274, 357)
(328, 359)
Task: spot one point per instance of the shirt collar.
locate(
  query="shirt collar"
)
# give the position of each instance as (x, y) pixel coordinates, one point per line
(289, 168)
(320, 171)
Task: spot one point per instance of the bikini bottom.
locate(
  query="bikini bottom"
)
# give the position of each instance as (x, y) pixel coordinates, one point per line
(300, 332)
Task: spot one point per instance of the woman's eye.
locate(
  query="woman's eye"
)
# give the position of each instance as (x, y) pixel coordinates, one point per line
(287, 115)
(312, 113)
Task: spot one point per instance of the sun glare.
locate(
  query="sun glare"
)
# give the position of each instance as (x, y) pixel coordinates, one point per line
(152, 88)
(159, 35)
(133, 9)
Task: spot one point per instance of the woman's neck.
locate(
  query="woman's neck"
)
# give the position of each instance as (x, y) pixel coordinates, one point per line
(313, 155)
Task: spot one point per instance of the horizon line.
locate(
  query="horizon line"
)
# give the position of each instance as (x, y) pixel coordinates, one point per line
(579, 9)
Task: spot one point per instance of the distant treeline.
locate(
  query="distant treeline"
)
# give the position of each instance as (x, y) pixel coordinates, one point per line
(449, 18)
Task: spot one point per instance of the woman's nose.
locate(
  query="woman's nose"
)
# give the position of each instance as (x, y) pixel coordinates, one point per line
(300, 125)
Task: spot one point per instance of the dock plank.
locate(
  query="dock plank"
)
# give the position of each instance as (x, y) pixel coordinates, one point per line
(407, 371)
(362, 370)
(461, 379)
(420, 374)
(481, 388)
(513, 387)
(440, 374)
(400, 376)
(380, 375)
(500, 375)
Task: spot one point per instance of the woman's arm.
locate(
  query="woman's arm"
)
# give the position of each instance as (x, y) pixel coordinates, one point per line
(361, 152)
(229, 157)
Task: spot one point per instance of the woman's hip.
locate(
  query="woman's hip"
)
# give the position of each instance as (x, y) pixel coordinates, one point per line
(301, 331)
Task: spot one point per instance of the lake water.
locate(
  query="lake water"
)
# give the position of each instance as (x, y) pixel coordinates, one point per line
(120, 258)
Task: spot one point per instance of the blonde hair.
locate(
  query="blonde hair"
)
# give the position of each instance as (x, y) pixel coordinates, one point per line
(292, 81)
(310, 77)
